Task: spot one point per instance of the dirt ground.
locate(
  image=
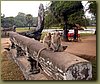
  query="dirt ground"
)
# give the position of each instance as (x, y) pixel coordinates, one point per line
(85, 47)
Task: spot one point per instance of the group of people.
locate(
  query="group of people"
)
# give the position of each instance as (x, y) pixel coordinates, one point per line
(53, 42)
(74, 36)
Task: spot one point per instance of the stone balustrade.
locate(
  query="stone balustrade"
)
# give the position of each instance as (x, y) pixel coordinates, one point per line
(57, 65)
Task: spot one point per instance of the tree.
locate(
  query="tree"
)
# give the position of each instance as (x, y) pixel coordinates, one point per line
(49, 19)
(20, 20)
(93, 7)
(29, 20)
(35, 21)
(7, 22)
(2, 20)
(67, 12)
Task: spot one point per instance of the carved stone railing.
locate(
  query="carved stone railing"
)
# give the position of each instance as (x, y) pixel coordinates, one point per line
(5, 32)
(57, 65)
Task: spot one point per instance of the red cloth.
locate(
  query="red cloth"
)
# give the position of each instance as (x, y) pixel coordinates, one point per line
(72, 35)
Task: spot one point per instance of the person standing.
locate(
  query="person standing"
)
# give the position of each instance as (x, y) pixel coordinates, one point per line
(75, 33)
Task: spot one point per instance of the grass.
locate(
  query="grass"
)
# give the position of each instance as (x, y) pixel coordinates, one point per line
(9, 69)
(21, 29)
(24, 29)
(86, 34)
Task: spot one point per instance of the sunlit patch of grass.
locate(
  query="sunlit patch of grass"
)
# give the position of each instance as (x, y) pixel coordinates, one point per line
(21, 29)
(9, 69)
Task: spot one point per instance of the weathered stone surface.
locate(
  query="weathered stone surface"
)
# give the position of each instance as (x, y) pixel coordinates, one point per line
(25, 66)
(57, 65)
(5, 32)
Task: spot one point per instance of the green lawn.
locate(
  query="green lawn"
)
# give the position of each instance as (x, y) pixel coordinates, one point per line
(22, 29)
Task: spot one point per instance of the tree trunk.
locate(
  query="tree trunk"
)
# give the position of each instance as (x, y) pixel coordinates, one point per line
(85, 22)
(29, 26)
(65, 36)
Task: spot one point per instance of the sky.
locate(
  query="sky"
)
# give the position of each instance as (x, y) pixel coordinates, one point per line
(11, 8)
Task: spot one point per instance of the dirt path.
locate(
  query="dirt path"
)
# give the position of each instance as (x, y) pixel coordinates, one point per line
(87, 47)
